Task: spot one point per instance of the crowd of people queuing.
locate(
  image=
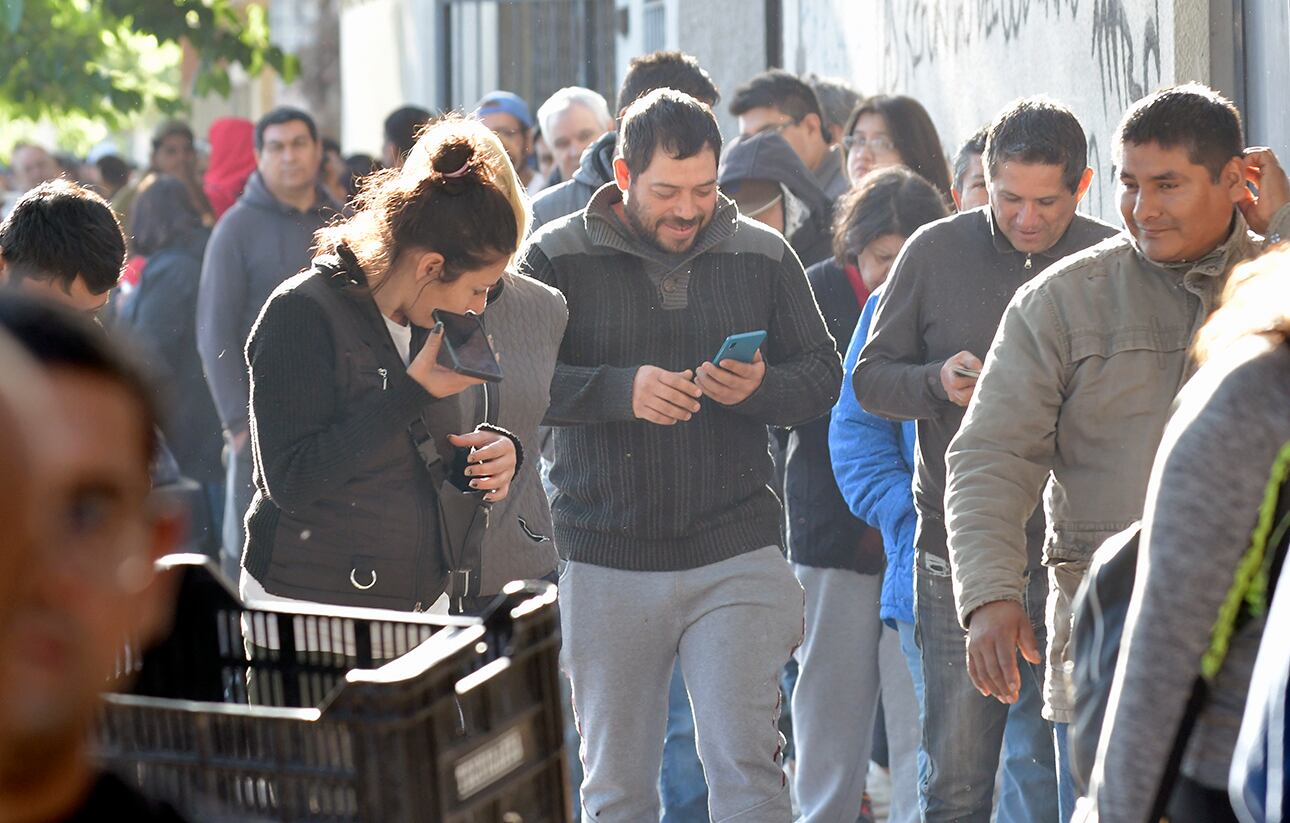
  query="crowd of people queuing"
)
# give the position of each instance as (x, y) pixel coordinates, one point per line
(878, 524)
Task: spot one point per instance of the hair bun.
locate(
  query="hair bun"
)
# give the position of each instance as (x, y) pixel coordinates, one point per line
(456, 166)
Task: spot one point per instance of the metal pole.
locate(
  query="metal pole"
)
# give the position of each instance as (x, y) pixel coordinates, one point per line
(590, 73)
(444, 38)
(774, 33)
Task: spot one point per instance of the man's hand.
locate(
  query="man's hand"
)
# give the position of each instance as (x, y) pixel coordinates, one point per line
(434, 378)
(664, 397)
(491, 463)
(995, 632)
(957, 387)
(1264, 171)
(731, 382)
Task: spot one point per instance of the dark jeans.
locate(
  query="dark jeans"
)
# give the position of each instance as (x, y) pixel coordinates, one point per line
(964, 732)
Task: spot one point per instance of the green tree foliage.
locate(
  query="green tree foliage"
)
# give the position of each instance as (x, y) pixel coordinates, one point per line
(81, 58)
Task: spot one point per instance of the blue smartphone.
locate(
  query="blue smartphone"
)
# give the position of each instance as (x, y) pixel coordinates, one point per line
(741, 347)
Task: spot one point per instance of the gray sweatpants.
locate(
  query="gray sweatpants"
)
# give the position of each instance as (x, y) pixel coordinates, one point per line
(733, 624)
(847, 659)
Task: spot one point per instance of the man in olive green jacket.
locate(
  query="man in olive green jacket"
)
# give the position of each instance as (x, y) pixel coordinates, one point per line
(1080, 378)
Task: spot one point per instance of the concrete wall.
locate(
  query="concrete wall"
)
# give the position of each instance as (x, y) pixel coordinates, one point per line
(386, 61)
(727, 36)
(730, 41)
(965, 59)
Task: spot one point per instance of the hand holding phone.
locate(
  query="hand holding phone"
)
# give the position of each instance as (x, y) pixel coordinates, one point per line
(465, 348)
(958, 377)
(732, 382)
(434, 377)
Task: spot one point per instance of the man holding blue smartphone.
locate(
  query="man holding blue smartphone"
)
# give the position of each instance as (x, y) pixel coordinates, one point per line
(663, 503)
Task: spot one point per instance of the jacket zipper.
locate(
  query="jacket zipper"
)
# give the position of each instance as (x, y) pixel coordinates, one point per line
(1028, 263)
(385, 378)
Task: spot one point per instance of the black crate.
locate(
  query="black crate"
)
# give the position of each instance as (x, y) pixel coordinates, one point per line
(338, 714)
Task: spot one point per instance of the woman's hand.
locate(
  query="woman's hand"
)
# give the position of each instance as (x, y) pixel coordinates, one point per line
(436, 379)
(491, 463)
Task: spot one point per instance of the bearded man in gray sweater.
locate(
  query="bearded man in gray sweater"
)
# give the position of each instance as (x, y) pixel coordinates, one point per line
(663, 502)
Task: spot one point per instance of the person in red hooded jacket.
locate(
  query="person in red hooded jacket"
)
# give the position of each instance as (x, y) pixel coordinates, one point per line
(232, 159)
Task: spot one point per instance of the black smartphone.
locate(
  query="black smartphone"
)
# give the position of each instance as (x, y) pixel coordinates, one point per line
(465, 348)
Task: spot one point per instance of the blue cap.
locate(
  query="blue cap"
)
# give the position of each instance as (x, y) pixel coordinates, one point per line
(504, 102)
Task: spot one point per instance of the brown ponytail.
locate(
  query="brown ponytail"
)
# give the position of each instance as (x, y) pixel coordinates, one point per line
(454, 195)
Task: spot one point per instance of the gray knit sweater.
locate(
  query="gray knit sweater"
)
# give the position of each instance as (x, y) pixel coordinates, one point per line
(638, 496)
(1202, 504)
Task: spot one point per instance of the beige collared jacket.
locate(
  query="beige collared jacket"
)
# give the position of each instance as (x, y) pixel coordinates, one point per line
(1072, 403)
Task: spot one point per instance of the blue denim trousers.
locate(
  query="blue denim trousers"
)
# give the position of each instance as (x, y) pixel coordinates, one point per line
(1066, 796)
(965, 733)
(914, 659)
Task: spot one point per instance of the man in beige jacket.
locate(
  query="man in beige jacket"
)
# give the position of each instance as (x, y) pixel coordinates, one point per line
(1080, 378)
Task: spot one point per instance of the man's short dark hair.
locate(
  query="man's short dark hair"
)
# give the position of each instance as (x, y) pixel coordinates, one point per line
(1038, 130)
(58, 338)
(280, 115)
(59, 230)
(780, 90)
(1191, 116)
(666, 70)
(114, 171)
(671, 120)
(403, 125)
(974, 146)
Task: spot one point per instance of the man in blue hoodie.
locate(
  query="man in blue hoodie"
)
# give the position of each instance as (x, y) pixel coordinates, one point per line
(261, 241)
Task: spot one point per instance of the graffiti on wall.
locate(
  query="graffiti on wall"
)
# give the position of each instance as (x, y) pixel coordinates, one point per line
(922, 32)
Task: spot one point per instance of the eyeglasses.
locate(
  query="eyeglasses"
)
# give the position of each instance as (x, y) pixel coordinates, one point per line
(776, 128)
(879, 145)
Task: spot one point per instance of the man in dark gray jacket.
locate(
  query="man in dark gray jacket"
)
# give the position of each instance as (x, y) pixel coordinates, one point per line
(938, 314)
(262, 240)
(658, 70)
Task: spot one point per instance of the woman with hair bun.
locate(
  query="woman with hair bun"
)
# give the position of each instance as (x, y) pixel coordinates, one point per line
(347, 391)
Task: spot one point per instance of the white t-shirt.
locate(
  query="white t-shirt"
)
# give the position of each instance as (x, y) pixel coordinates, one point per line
(402, 336)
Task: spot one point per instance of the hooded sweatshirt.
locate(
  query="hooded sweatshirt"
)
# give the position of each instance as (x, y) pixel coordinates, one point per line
(232, 160)
(769, 157)
(596, 169)
(257, 245)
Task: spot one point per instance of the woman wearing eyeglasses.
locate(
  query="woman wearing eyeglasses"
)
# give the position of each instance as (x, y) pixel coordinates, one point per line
(347, 389)
(894, 130)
